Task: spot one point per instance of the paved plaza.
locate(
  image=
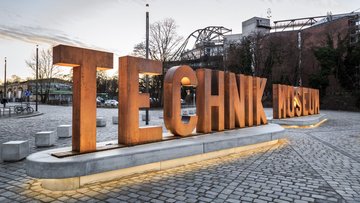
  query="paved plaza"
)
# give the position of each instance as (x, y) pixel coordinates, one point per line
(312, 165)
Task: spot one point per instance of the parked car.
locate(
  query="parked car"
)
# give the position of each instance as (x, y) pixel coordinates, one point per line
(99, 100)
(111, 102)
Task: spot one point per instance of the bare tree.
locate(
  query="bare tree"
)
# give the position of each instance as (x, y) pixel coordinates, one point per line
(46, 67)
(46, 70)
(163, 42)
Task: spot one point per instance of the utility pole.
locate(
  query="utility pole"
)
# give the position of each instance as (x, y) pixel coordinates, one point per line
(37, 78)
(147, 57)
(5, 92)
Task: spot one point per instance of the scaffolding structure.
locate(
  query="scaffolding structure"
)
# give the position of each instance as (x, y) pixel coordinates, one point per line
(207, 42)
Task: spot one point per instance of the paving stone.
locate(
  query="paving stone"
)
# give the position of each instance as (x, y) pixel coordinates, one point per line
(312, 165)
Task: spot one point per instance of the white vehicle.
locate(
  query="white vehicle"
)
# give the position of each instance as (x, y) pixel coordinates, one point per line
(111, 102)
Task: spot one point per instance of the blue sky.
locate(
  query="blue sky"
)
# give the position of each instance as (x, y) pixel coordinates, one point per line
(117, 25)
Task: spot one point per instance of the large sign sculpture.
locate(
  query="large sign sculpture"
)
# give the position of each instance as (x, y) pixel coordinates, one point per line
(289, 101)
(85, 63)
(130, 100)
(175, 77)
(223, 100)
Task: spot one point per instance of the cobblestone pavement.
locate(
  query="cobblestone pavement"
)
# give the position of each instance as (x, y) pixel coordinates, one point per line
(313, 165)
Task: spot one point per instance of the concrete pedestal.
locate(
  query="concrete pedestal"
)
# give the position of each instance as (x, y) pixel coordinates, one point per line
(301, 122)
(115, 120)
(64, 131)
(100, 122)
(75, 171)
(14, 150)
(45, 139)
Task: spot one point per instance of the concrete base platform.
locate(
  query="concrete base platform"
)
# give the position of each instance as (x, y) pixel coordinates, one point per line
(303, 121)
(73, 172)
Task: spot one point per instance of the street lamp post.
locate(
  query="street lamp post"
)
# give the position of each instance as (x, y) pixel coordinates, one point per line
(37, 78)
(147, 57)
(5, 92)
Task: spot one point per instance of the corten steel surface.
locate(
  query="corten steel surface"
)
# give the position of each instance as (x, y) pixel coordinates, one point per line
(314, 101)
(311, 102)
(130, 100)
(289, 101)
(210, 100)
(297, 101)
(317, 102)
(258, 91)
(249, 101)
(305, 101)
(85, 62)
(234, 101)
(279, 103)
(175, 77)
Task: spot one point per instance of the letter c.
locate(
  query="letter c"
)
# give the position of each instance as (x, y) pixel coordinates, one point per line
(174, 78)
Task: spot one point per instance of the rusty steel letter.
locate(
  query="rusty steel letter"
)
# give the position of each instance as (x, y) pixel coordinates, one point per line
(130, 100)
(290, 102)
(297, 102)
(249, 101)
(234, 101)
(259, 113)
(85, 63)
(175, 77)
(317, 102)
(210, 100)
(279, 102)
(305, 101)
(311, 101)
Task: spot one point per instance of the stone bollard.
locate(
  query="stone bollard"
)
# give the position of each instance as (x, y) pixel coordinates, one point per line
(45, 139)
(14, 150)
(100, 122)
(115, 120)
(64, 131)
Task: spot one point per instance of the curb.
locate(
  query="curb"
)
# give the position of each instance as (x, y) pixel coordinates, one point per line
(31, 115)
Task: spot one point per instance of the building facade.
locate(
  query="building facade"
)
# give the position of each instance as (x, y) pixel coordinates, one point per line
(51, 91)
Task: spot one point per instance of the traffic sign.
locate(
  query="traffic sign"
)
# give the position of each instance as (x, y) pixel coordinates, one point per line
(27, 93)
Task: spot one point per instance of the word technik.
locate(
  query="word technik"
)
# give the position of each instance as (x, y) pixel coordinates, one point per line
(223, 100)
(289, 101)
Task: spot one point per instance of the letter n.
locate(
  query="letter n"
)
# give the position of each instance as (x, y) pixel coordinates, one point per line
(234, 101)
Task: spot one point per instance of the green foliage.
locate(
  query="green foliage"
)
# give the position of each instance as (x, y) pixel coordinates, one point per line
(349, 73)
(319, 81)
(327, 57)
(343, 61)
